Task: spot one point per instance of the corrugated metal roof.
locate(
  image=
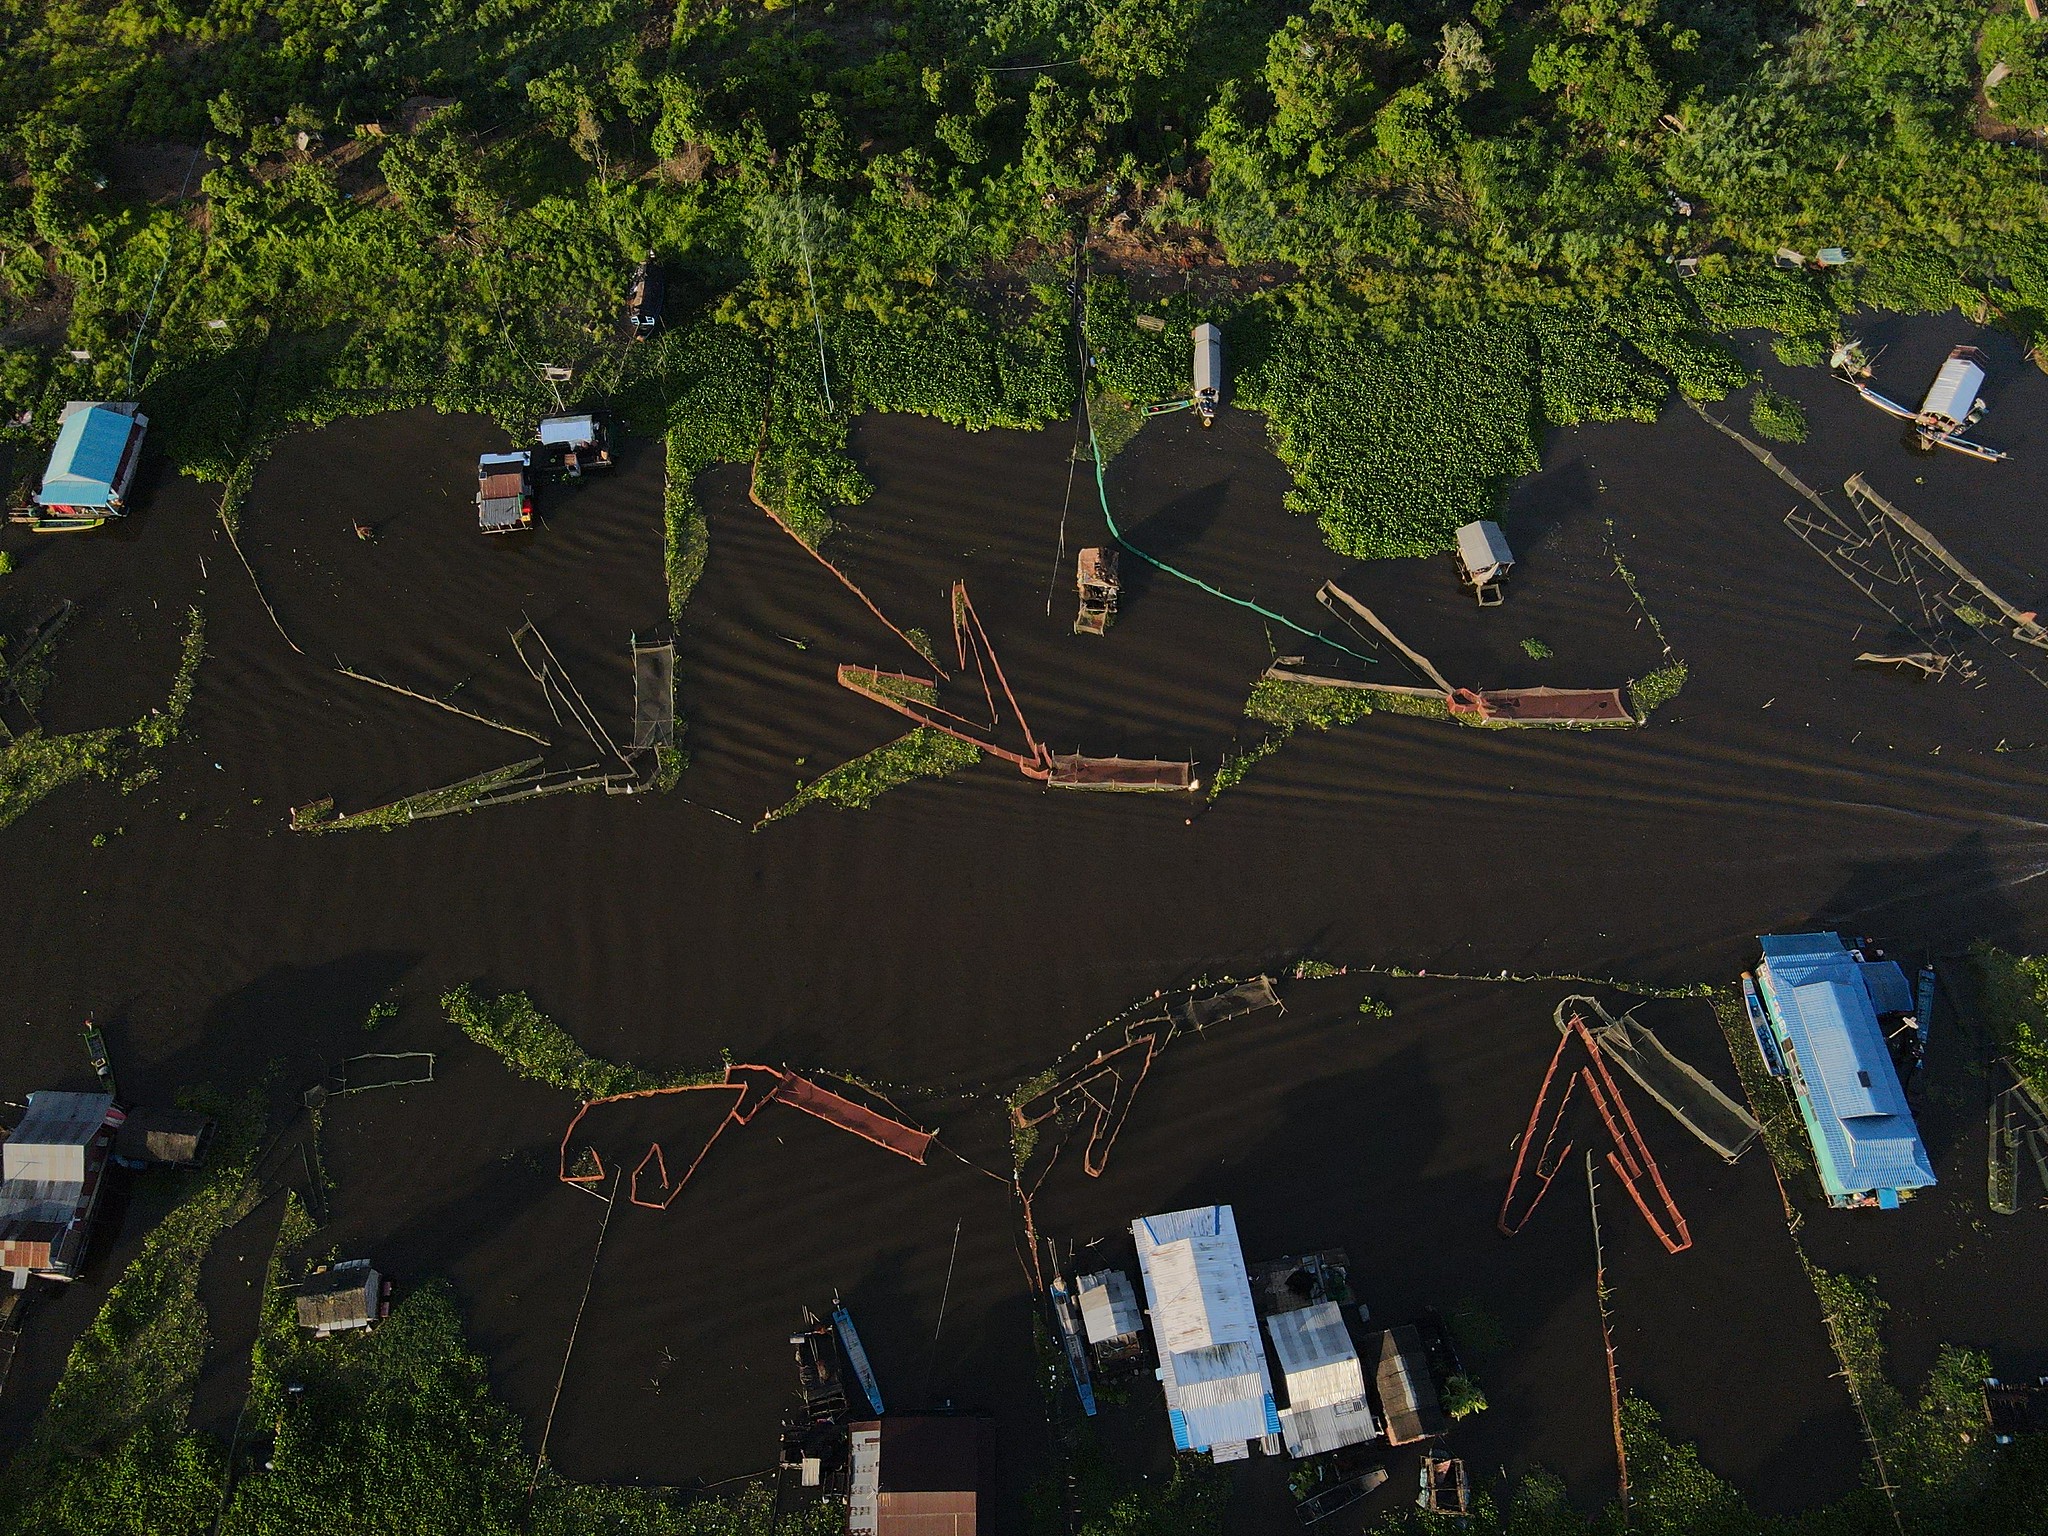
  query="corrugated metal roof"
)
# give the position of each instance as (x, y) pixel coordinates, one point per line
(572, 431)
(1484, 548)
(51, 1141)
(1311, 1431)
(1955, 388)
(1221, 1391)
(1317, 1358)
(1204, 1297)
(1109, 1307)
(1863, 1131)
(86, 460)
(1886, 983)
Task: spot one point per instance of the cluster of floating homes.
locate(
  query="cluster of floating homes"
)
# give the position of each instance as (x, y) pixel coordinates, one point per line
(55, 1166)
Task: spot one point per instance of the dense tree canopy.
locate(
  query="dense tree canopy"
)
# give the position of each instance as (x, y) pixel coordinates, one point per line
(293, 210)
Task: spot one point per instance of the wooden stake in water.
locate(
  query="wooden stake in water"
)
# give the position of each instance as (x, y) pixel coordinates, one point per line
(1607, 1338)
(540, 1457)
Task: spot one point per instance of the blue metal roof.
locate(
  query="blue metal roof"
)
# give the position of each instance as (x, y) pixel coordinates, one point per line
(1824, 1006)
(84, 464)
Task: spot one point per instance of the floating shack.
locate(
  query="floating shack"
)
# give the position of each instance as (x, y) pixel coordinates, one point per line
(1955, 398)
(923, 1474)
(1219, 1393)
(814, 1437)
(1208, 339)
(1095, 578)
(573, 445)
(52, 1172)
(92, 465)
(162, 1138)
(2015, 1408)
(504, 492)
(1484, 560)
(644, 298)
(1110, 1318)
(1953, 403)
(1824, 1001)
(1407, 1391)
(339, 1298)
(1326, 1402)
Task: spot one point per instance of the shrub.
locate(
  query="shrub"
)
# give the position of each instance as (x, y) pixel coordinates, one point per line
(1778, 417)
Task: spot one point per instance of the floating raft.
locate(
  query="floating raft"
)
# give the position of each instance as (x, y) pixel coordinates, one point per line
(834, 1109)
(1543, 706)
(1692, 1100)
(1129, 774)
(654, 696)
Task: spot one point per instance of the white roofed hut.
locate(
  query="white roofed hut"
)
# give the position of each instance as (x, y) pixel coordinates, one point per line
(52, 1172)
(1110, 1319)
(1484, 560)
(1955, 399)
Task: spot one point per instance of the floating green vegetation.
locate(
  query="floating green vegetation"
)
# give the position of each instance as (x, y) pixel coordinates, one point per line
(1375, 1008)
(35, 764)
(1237, 764)
(534, 1046)
(1289, 704)
(1536, 650)
(2012, 997)
(1315, 970)
(1777, 416)
(396, 1425)
(382, 1012)
(923, 753)
(449, 799)
(1784, 1135)
(1024, 1138)
(1653, 690)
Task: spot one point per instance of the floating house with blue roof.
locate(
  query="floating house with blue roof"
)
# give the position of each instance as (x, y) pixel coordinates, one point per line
(92, 464)
(1219, 1392)
(1822, 1002)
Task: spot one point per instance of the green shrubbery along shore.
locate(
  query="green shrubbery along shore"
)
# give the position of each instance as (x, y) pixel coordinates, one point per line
(1427, 238)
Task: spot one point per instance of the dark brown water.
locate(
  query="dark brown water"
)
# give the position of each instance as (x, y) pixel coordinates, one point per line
(961, 935)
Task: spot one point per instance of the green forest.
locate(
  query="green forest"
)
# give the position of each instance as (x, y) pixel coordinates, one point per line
(1429, 231)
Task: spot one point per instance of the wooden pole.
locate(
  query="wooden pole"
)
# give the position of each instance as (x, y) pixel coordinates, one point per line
(1607, 1338)
(540, 1456)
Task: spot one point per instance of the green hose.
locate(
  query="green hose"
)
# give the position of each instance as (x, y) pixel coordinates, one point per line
(1117, 533)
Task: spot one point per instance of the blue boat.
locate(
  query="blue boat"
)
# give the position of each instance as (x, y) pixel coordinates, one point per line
(1923, 1005)
(857, 1353)
(1760, 1025)
(1067, 1316)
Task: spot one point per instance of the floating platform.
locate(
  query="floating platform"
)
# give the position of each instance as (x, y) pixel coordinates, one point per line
(1543, 706)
